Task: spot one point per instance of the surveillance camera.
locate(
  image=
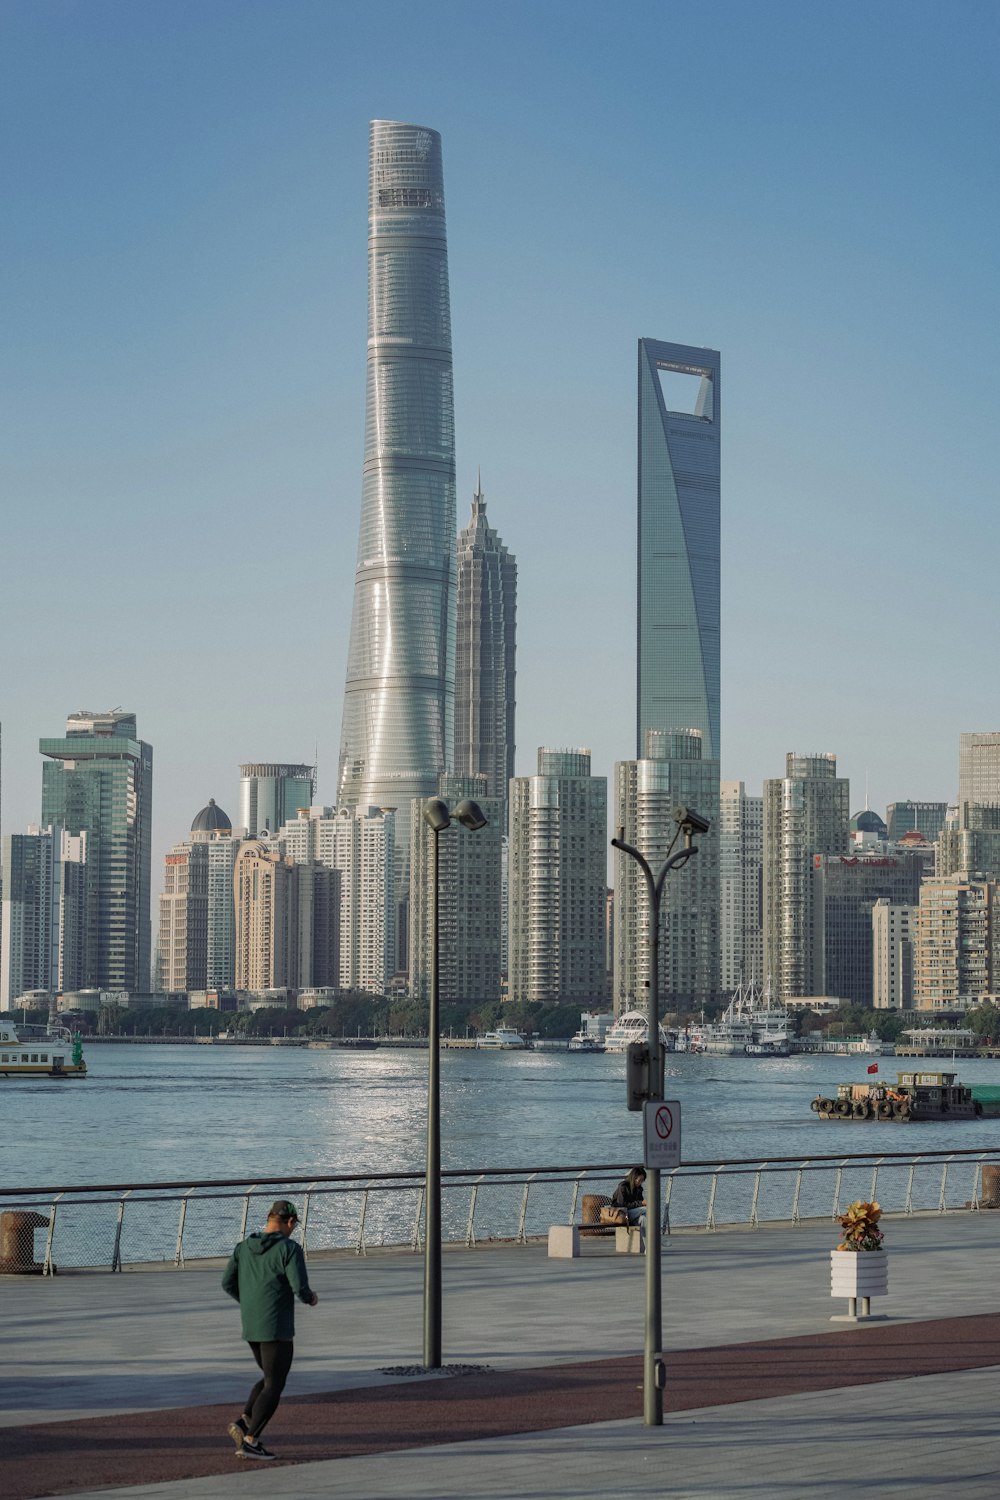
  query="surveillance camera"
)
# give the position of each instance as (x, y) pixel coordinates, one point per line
(690, 820)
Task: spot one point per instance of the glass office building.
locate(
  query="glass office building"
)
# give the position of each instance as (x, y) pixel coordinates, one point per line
(924, 817)
(271, 792)
(678, 551)
(399, 702)
(979, 769)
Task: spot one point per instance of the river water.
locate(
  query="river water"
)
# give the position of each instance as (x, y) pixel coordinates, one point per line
(180, 1113)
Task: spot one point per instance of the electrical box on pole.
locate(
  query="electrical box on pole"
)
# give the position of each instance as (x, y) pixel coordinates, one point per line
(637, 1075)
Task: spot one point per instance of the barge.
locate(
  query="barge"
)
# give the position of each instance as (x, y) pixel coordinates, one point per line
(913, 1097)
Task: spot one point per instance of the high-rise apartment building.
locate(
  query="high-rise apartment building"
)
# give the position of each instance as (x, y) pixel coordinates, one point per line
(678, 541)
(957, 950)
(318, 963)
(183, 937)
(287, 921)
(271, 792)
(360, 844)
(978, 769)
(43, 914)
(220, 941)
(741, 864)
(98, 780)
(470, 892)
(484, 655)
(267, 917)
(923, 817)
(671, 773)
(193, 905)
(557, 881)
(398, 721)
(974, 846)
(805, 814)
(29, 915)
(893, 931)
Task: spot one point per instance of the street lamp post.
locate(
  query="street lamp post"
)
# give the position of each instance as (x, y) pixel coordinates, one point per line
(653, 1367)
(437, 817)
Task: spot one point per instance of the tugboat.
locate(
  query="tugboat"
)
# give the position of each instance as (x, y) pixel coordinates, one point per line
(40, 1052)
(915, 1096)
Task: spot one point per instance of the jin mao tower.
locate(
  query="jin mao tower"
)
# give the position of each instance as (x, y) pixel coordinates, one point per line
(485, 674)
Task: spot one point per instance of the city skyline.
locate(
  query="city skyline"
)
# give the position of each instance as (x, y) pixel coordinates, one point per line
(185, 360)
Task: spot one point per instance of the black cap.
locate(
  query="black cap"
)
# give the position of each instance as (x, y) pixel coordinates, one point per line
(282, 1209)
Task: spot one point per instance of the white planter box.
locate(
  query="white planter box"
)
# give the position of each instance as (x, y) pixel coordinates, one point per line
(859, 1273)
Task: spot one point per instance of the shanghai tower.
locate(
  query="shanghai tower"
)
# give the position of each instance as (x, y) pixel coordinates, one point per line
(399, 699)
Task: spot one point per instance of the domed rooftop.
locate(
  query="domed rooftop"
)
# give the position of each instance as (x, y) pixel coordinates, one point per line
(211, 819)
(868, 822)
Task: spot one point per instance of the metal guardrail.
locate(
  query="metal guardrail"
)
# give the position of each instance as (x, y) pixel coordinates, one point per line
(180, 1222)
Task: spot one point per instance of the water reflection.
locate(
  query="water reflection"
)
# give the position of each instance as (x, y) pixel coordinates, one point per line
(174, 1113)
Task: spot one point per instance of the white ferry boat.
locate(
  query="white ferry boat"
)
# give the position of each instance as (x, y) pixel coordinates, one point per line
(504, 1039)
(753, 1024)
(632, 1027)
(582, 1041)
(40, 1052)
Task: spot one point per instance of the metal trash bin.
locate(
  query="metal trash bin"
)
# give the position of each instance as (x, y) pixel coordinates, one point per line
(17, 1242)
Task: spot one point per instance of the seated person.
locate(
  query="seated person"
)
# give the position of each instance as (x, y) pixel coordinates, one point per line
(629, 1196)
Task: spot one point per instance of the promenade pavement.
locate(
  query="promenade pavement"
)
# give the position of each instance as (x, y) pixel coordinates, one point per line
(123, 1385)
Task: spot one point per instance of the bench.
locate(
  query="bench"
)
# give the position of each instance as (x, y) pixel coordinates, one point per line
(564, 1239)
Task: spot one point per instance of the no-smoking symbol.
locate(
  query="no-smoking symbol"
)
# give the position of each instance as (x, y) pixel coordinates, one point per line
(661, 1133)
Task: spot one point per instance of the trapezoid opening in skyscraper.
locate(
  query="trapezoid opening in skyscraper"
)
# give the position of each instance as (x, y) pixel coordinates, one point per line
(678, 542)
(397, 731)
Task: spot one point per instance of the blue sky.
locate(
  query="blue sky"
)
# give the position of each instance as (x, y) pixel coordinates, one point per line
(811, 189)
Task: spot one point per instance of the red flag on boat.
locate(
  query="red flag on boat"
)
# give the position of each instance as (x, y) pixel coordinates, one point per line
(873, 1067)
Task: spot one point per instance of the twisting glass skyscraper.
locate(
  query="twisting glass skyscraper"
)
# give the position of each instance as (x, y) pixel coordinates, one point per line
(678, 645)
(399, 700)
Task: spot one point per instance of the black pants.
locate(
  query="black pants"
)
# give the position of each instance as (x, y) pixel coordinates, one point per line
(275, 1361)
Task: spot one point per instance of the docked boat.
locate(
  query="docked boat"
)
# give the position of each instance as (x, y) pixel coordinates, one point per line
(753, 1024)
(913, 1097)
(503, 1039)
(582, 1041)
(40, 1052)
(633, 1026)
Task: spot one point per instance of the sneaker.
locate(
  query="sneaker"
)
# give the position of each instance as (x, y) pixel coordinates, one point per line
(238, 1433)
(250, 1449)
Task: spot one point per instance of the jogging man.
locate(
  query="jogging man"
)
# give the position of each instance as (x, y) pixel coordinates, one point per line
(266, 1272)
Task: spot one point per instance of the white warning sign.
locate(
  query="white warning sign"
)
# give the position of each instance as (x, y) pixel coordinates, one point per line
(661, 1125)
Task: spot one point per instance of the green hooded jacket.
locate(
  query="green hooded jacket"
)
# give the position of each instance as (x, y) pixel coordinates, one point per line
(266, 1272)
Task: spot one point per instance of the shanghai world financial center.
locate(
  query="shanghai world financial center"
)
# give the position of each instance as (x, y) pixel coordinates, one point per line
(678, 542)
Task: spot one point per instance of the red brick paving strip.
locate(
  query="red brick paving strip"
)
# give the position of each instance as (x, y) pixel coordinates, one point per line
(54, 1458)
